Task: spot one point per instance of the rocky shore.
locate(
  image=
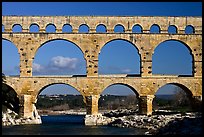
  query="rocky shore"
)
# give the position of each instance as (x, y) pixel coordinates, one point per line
(160, 123)
(10, 118)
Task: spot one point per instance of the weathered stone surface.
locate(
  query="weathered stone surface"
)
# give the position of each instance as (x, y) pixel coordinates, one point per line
(92, 85)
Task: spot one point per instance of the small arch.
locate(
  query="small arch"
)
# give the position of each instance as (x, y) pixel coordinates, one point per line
(137, 28)
(50, 28)
(17, 28)
(67, 28)
(34, 28)
(189, 29)
(83, 28)
(101, 28)
(172, 29)
(119, 28)
(3, 28)
(155, 28)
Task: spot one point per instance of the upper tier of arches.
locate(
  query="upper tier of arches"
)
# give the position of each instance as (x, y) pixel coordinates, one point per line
(180, 25)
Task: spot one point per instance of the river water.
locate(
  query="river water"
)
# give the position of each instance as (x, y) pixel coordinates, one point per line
(68, 125)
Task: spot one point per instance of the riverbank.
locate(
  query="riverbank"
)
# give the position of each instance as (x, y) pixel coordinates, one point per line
(160, 123)
(10, 118)
(64, 112)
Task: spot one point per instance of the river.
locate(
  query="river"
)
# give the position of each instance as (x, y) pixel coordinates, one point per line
(67, 125)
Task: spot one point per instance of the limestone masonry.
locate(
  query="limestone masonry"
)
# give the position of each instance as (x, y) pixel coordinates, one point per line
(92, 85)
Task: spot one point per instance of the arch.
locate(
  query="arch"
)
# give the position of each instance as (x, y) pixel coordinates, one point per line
(155, 28)
(178, 94)
(57, 62)
(101, 28)
(186, 47)
(34, 27)
(45, 42)
(67, 28)
(137, 28)
(117, 96)
(189, 29)
(3, 28)
(50, 84)
(83, 28)
(10, 98)
(124, 84)
(119, 28)
(48, 91)
(16, 28)
(172, 29)
(12, 57)
(133, 55)
(50, 28)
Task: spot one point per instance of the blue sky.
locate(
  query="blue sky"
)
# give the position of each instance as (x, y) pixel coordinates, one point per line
(62, 57)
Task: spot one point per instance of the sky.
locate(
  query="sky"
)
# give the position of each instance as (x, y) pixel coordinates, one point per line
(61, 57)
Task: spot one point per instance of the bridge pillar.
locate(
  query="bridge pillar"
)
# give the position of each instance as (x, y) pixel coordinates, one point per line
(91, 63)
(92, 104)
(146, 68)
(145, 104)
(26, 106)
(197, 103)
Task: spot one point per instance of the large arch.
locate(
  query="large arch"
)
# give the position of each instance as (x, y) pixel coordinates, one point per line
(118, 96)
(136, 91)
(47, 41)
(123, 43)
(173, 93)
(182, 86)
(68, 90)
(10, 98)
(12, 56)
(77, 56)
(55, 83)
(169, 44)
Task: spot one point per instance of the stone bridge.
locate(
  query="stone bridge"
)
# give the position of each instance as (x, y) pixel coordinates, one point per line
(92, 84)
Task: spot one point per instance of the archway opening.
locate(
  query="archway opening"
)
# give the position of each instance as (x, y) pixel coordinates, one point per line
(173, 97)
(101, 28)
(17, 28)
(172, 29)
(34, 28)
(9, 99)
(172, 57)
(50, 28)
(137, 29)
(67, 28)
(119, 57)
(119, 29)
(59, 57)
(60, 103)
(118, 99)
(155, 28)
(189, 29)
(83, 28)
(10, 58)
